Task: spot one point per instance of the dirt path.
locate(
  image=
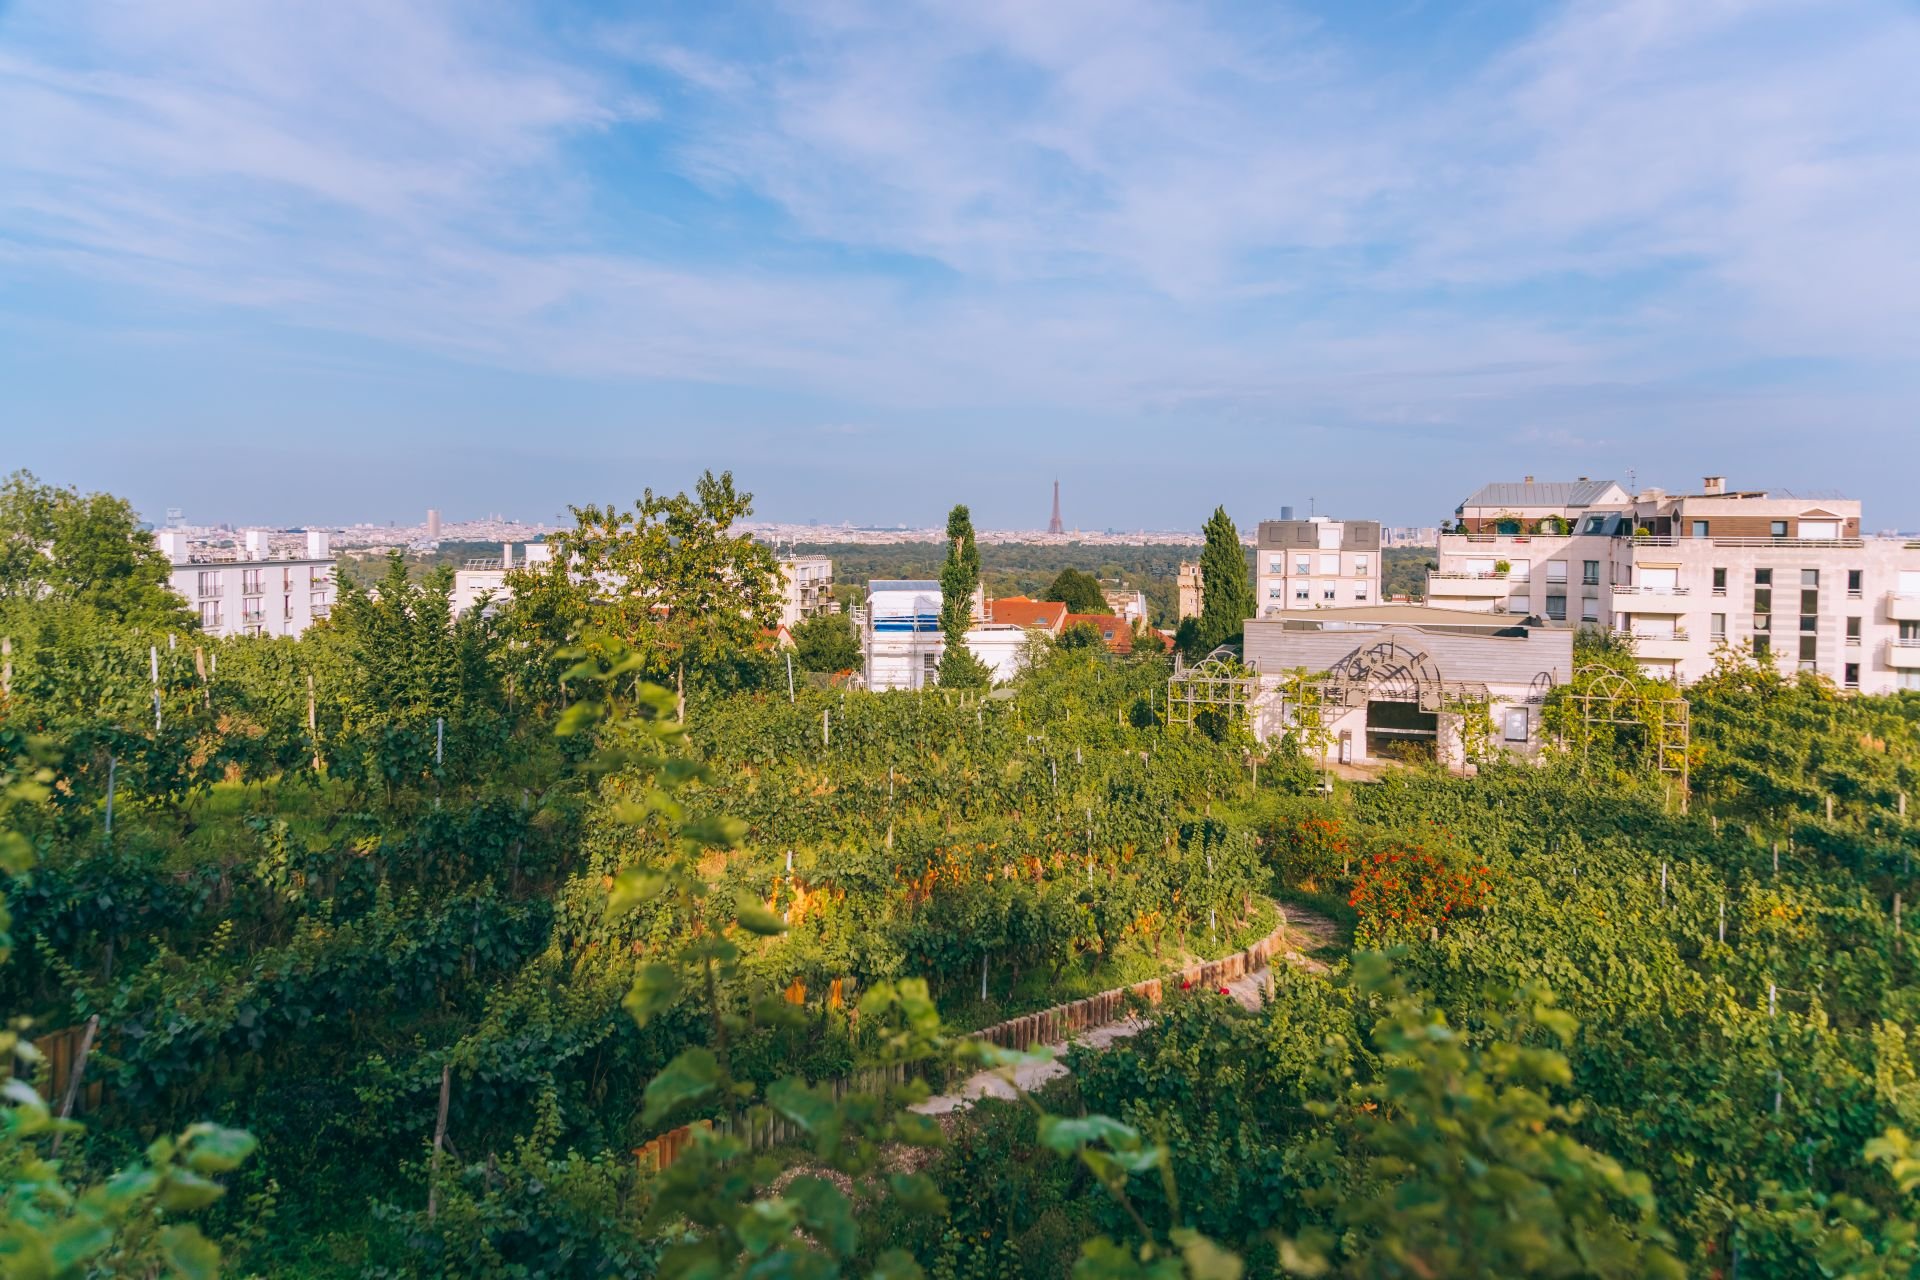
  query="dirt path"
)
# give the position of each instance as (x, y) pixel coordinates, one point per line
(1307, 931)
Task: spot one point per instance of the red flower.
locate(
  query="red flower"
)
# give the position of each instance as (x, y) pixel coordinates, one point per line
(1186, 984)
(1225, 992)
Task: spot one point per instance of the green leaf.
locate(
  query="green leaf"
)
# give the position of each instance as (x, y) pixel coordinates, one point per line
(654, 990)
(694, 1074)
(185, 1191)
(716, 831)
(214, 1149)
(1067, 1134)
(632, 887)
(70, 1244)
(756, 919)
(917, 1193)
(190, 1254)
(826, 1213)
(1205, 1259)
(812, 1108)
(896, 1264)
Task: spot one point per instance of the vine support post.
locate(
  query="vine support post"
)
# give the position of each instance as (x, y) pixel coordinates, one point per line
(313, 724)
(1896, 924)
(74, 1074)
(789, 679)
(1829, 808)
(439, 741)
(6, 667)
(826, 727)
(439, 1142)
(1723, 921)
(1773, 997)
(153, 670)
(1663, 883)
(113, 778)
(983, 977)
(1776, 857)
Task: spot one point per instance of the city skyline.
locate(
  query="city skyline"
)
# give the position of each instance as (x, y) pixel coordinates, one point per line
(350, 264)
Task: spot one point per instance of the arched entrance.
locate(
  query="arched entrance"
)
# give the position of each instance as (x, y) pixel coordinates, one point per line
(1402, 692)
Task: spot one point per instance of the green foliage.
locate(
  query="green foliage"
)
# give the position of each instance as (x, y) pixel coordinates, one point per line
(59, 546)
(826, 642)
(1080, 591)
(1082, 636)
(1226, 589)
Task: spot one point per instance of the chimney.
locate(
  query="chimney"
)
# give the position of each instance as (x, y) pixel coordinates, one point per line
(1714, 484)
(257, 544)
(506, 555)
(317, 548)
(1286, 513)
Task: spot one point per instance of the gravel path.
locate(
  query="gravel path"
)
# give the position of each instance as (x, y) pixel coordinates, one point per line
(1306, 931)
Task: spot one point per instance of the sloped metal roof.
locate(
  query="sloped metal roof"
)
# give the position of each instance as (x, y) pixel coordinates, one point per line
(1552, 493)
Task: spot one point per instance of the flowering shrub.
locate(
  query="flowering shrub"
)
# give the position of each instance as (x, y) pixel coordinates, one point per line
(1405, 889)
(1310, 848)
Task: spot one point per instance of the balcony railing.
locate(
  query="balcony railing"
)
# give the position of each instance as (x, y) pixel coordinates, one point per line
(1653, 637)
(1787, 542)
(1452, 575)
(1634, 589)
(212, 590)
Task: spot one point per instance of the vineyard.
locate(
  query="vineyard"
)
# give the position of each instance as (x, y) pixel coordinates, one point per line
(417, 929)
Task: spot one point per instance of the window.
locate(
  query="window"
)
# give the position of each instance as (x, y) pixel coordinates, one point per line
(286, 607)
(1275, 591)
(1590, 573)
(210, 614)
(1359, 591)
(1779, 529)
(1910, 631)
(1719, 582)
(1717, 626)
(1327, 592)
(1809, 652)
(1301, 593)
(1826, 530)
(1516, 724)
(1303, 564)
(1699, 528)
(1519, 569)
(1557, 608)
(1596, 524)
(1809, 602)
(1852, 675)
(1762, 645)
(209, 583)
(1853, 631)
(250, 583)
(1330, 565)
(1276, 564)
(286, 579)
(1854, 583)
(1809, 577)
(1362, 566)
(1907, 681)
(1589, 610)
(1556, 571)
(1763, 577)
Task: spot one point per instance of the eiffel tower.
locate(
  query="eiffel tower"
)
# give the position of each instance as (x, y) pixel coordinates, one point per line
(1054, 525)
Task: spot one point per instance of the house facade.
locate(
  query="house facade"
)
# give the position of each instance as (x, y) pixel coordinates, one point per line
(1315, 563)
(1790, 580)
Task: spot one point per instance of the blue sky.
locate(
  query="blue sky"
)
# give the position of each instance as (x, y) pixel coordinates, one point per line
(346, 260)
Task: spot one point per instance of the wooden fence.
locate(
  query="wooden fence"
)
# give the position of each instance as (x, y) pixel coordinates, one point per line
(61, 1051)
(1050, 1026)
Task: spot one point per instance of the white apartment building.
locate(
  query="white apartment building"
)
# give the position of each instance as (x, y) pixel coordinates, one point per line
(902, 643)
(806, 588)
(245, 590)
(486, 576)
(1788, 579)
(1316, 563)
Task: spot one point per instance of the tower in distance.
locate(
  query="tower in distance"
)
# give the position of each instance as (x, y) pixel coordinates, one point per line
(1054, 525)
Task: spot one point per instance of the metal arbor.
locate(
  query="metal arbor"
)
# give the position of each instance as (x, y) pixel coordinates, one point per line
(1601, 696)
(1218, 682)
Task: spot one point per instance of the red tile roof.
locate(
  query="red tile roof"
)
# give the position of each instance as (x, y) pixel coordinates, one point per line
(1020, 611)
(1115, 631)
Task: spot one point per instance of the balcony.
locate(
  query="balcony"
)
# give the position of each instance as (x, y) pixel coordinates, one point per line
(1903, 608)
(1903, 655)
(212, 590)
(1469, 586)
(1627, 589)
(254, 617)
(1844, 543)
(1661, 645)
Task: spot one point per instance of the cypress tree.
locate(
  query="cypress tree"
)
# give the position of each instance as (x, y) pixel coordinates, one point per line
(959, 669)
(1226, 589)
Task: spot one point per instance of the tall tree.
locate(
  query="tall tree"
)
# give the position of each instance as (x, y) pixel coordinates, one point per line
(1226, 588)
(959, 578)
(1079, 591)
(672, 579)
(826, 642)
(61, 545)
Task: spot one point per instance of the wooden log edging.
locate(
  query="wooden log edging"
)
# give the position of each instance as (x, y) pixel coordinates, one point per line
(1049, 1026)
(1064, 1021)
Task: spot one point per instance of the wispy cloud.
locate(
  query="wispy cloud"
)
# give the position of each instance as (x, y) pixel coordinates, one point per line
(1126, 208)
